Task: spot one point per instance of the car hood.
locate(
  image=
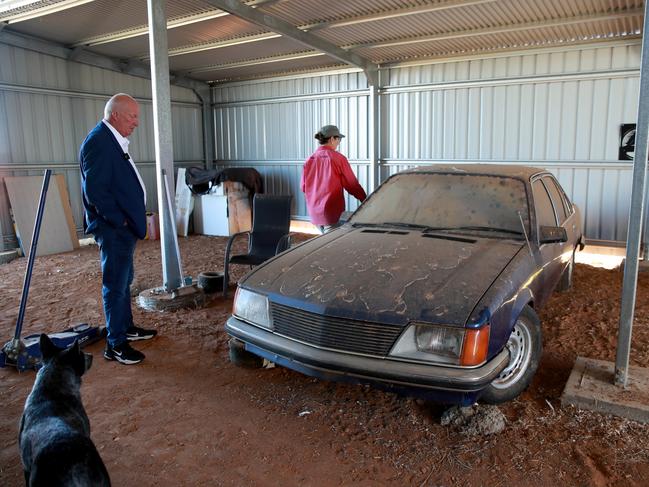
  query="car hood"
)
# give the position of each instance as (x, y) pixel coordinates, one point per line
(384, 275)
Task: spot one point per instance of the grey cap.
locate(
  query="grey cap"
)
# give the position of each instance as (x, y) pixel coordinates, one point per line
(331, 131)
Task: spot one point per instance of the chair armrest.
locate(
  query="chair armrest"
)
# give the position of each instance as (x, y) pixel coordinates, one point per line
(231, 241)
(228, 247)
(283, 244)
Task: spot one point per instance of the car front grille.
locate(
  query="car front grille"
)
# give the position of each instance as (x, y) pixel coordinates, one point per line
(334, 333)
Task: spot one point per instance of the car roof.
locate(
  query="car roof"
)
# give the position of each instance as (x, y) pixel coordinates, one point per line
(507, 170)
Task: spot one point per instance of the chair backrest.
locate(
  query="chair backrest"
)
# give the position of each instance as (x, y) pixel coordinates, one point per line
(271, 220)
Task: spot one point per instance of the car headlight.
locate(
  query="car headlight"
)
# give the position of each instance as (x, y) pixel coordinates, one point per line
(253, 308)
(443, 344)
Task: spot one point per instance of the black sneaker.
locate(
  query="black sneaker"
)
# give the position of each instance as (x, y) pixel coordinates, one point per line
(135, 333)
(123, 353)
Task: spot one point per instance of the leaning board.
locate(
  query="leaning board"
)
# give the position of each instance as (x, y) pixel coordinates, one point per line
(239, 208)
(58, 231)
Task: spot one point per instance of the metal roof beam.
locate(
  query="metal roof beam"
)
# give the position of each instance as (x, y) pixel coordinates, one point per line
(171, 24)
(134, 68)
(286, 29)
(34, 13)
(448, 5)
(499, 30)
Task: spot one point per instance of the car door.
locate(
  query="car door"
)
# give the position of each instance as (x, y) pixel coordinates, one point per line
(551, 253)
(572, 223)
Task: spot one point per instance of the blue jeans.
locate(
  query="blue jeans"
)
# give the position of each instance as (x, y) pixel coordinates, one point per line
(116, 248)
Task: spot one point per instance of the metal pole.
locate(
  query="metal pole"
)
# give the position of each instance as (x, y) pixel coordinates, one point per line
(32, 253)
(163, 135)
(636, 212)
(205, 94)
(374, 128)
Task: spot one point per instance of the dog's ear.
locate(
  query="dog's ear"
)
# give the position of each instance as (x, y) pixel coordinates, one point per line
(72, 351)
(48, 349)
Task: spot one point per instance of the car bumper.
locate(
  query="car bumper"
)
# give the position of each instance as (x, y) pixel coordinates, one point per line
(345, 366)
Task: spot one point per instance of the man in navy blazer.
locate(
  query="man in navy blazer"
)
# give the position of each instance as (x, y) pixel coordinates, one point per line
(114, 199)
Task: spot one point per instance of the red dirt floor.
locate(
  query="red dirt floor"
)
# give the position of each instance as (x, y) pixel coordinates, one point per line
(187, 417)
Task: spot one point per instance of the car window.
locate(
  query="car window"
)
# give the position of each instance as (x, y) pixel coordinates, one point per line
(543, 205)
(448, 201)
(566, 202)
(557, 201)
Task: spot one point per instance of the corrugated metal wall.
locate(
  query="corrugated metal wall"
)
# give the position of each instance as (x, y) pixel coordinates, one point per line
(48, 105)
(560, 109)
(270, 125)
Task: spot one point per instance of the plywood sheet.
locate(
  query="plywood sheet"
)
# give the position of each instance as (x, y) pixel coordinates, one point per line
(58, 231)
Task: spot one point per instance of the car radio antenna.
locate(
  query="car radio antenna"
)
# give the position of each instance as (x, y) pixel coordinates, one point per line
(520, 217)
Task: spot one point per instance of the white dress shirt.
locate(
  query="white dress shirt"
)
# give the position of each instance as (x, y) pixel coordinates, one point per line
(123, 143)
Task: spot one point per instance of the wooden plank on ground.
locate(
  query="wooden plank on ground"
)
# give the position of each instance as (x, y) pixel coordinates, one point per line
(58, 231)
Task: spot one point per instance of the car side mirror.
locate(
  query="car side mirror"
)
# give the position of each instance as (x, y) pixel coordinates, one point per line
(549, 234)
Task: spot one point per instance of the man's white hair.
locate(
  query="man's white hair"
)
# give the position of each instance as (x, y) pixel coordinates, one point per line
(115, 104)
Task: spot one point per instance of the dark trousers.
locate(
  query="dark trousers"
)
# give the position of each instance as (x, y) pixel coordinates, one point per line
(116, 248)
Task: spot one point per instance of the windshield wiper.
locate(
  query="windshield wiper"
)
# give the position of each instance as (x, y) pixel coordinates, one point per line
(491, 229)
(361, 224)
(406, 225)
(426, 228)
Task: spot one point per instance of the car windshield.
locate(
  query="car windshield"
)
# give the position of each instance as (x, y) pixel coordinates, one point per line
(448, 202)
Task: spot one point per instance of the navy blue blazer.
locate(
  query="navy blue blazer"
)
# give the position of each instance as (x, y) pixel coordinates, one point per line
(111, 190)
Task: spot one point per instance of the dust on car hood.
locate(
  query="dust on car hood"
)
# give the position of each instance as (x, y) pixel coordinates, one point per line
(386, 275)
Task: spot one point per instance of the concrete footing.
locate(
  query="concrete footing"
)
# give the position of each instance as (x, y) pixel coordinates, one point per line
(158, 299)
(591, 387)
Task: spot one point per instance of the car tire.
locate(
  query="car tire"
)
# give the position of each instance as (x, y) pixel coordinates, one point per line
(210, 282)
(242, 358)
(565, 282)
(525, 345)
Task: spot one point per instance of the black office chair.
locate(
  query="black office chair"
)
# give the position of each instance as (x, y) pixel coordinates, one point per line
(271, 220)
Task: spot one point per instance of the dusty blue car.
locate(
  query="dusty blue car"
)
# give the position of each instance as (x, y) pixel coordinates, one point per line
(431, 288)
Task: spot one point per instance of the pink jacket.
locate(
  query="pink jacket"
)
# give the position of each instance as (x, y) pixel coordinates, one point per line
(326, 173)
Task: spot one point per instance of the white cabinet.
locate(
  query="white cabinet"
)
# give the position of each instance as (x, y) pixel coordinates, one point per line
(211, 215)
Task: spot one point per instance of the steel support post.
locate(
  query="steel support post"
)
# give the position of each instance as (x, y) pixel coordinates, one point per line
(162, 133)
(207, 112)
(636, 214)
(374, 138)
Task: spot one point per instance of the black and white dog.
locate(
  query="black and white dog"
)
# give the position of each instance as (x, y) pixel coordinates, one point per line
(55, 444)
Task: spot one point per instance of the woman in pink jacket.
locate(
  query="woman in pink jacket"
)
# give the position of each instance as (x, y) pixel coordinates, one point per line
(326, 173)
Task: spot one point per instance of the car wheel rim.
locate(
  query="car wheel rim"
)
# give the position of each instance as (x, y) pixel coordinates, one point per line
(519, 346)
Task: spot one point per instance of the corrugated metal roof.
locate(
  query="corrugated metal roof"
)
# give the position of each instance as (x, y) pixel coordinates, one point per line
(382, 31)
(269, 69)
(237, 53)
